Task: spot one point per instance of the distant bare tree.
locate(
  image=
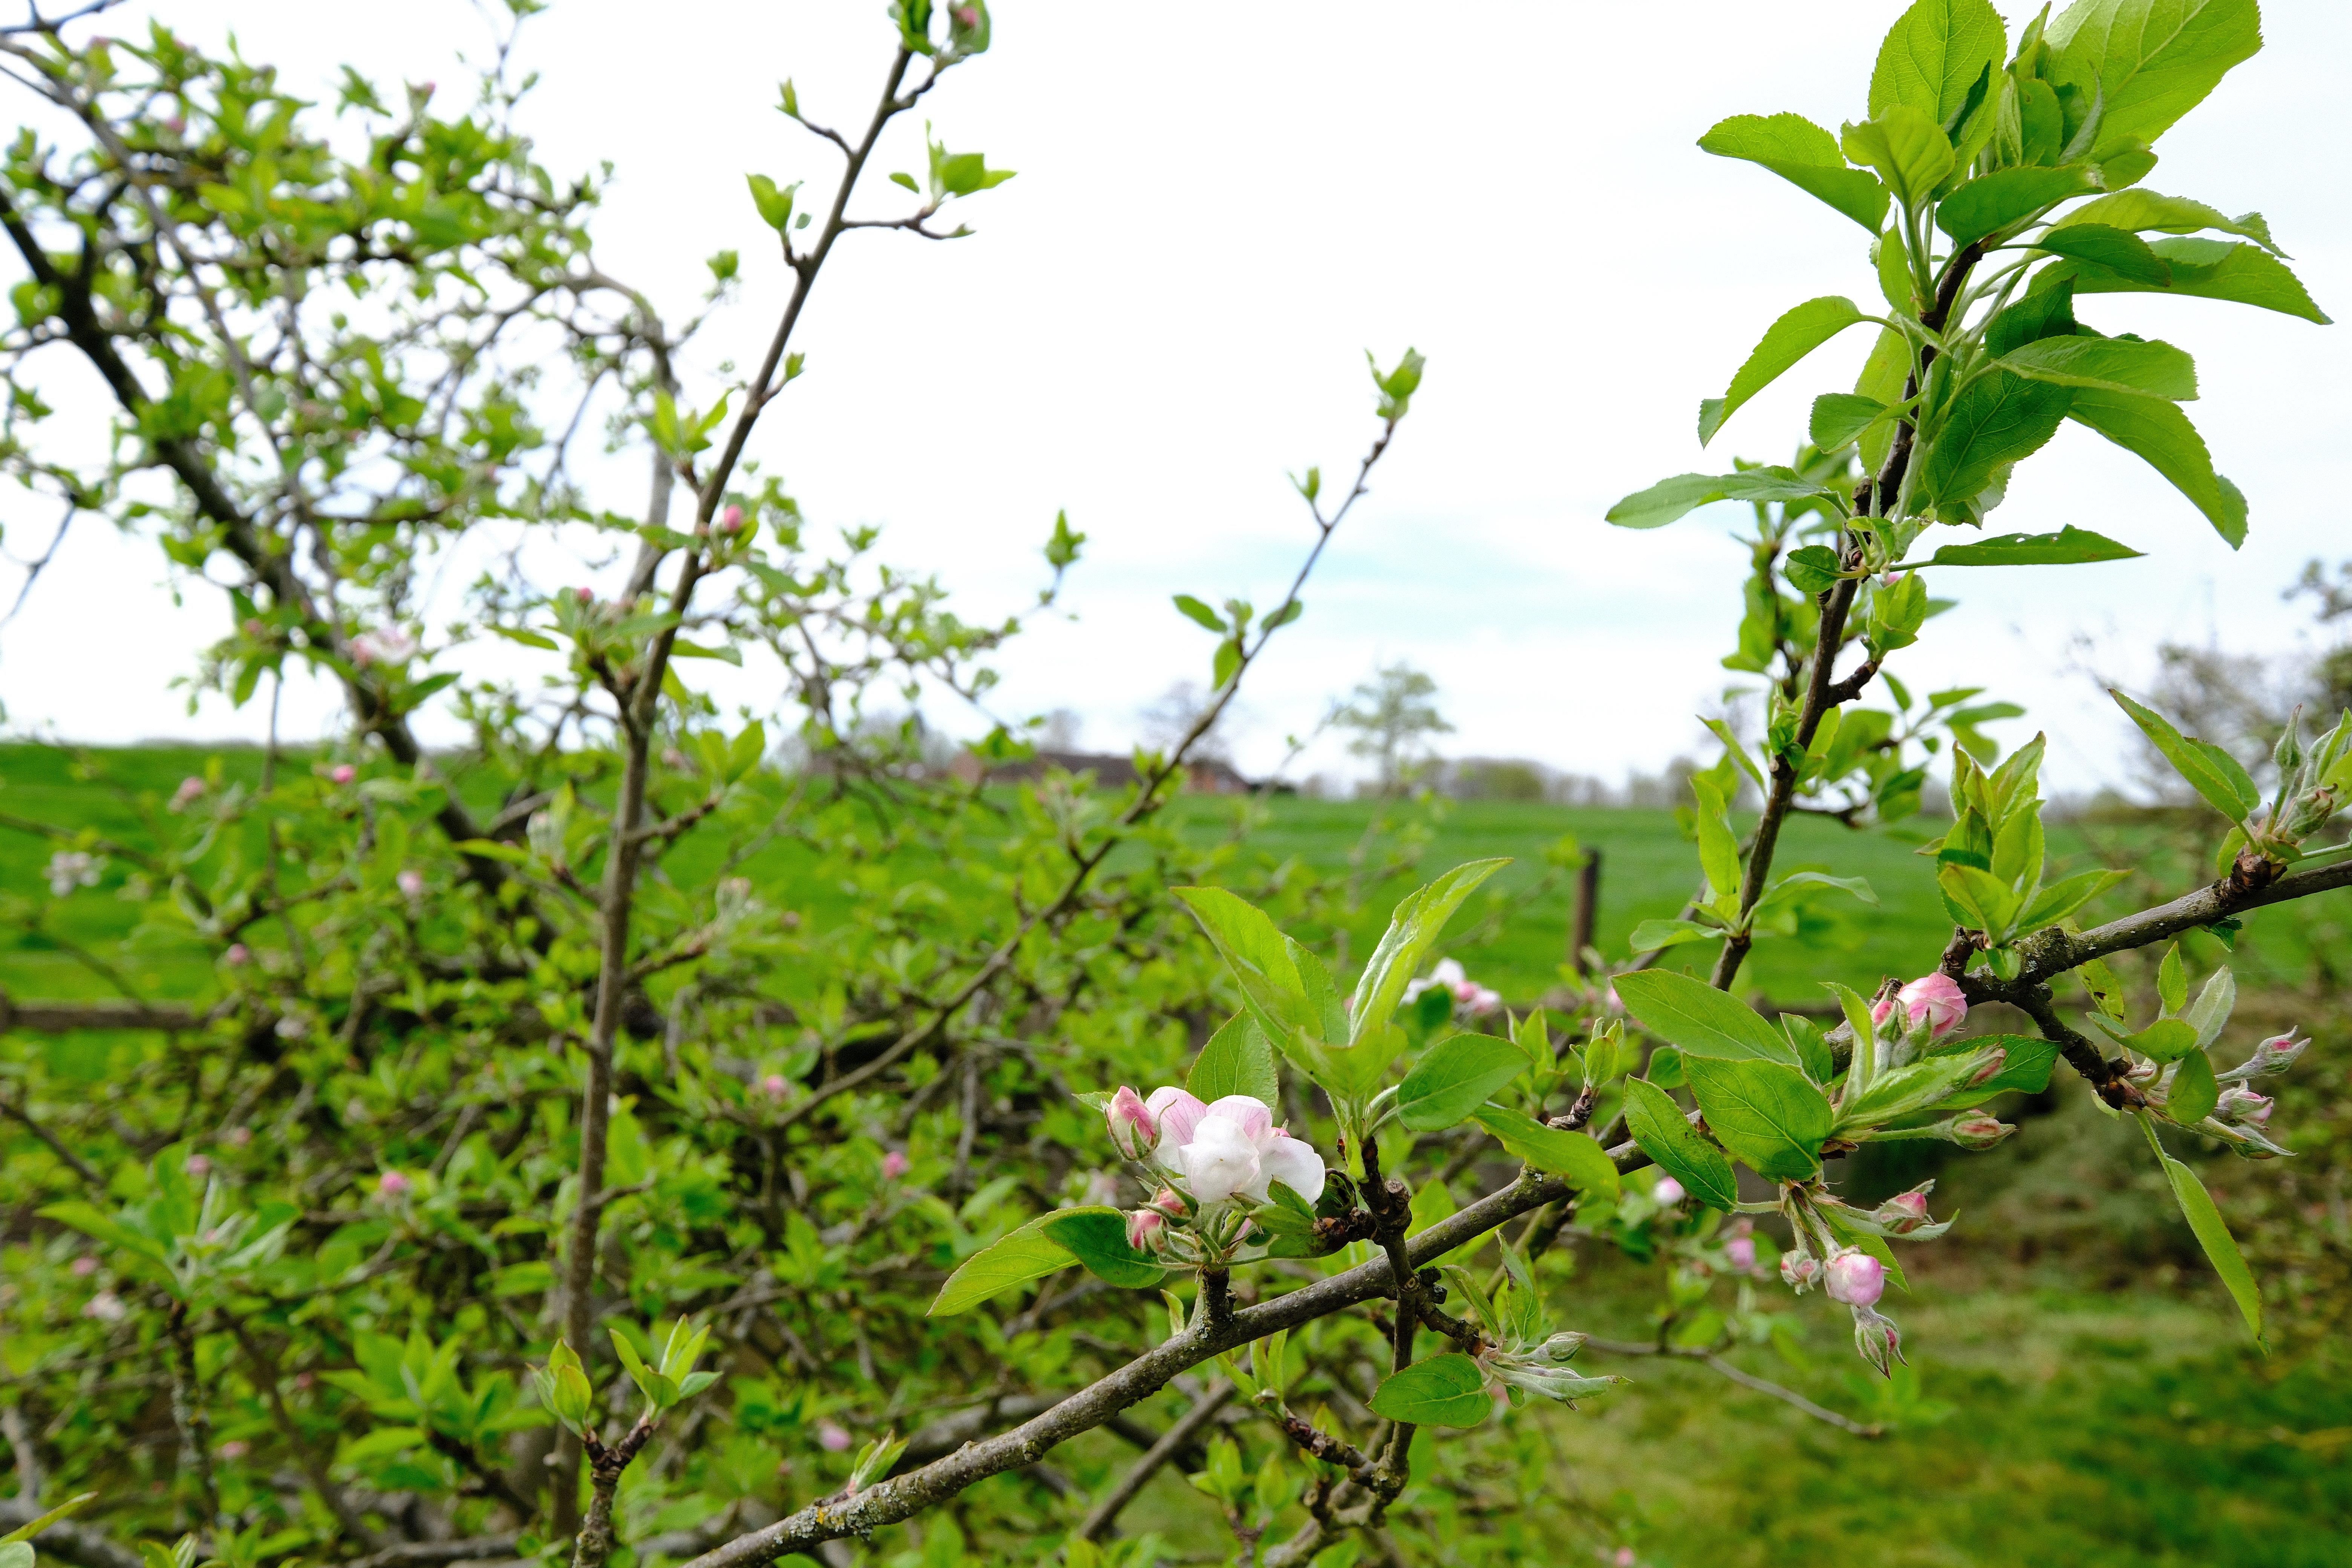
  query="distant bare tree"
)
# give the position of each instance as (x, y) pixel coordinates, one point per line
(1393, 713)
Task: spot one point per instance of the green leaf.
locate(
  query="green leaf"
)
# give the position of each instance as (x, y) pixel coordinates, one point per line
(2067, 547)
(1413, 928)
(1935, 54)
(2194, 1092)
(1670, 499)
(1574, 1155)
(1196, 610)
(1996, 421)
(775, 203)
(1765, 1114)
(2042, 313)
(1839, 417)
(2061, 899)
(2216, 999)
(2125, 256)
(1096, 1236)
(1797, 334)
(1238, 1059)
(1443, 1391)
(1261, 959)
(2108, 364)
(1907, 148)
(2149, 61)
(1700, 1019)
(1652, 935)
(2166, 1040)
(1901, 1090)
(1014, 1260)
(1993, 203)
(25, 1532)
(1455, 1077)
(2159, 433)
(1680, 1150)
(2147, 212)
(2211, 771)
(2213, 270)
(2213, 1236)
(1805, 155)
(1718, 847)
(1795, 884)
(681, 648)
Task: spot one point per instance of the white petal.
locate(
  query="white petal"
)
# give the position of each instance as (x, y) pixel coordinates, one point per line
(1177, 1112)
(1447, 973)
(1249, 1114)
(1220, 1161)
(1294, 1163)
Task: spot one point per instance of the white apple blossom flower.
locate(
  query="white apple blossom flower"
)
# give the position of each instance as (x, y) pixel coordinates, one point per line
(1231, 1147)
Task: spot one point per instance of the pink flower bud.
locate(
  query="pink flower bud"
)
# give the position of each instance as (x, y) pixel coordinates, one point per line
(1977, 1131)
(1667, 1192)
(1166, 1201)
(411, 882)
(84, 1267)
(1876, 1340)
(1740, 1252)
(1904, 1213)
(2239, 1103)
(832, 1438)
(966, 16)
(1144, 1229)
(731, 521)
(588, 596)
(773, 1085)
(343, 772)
(1992, 1068)
(1935, 999)
(238, 954)
(199, 1165)
(2278, 1053)
(1882, 1009)
(1799, 1270)
(392, 1187)
(1133, 1132)
(237, 1137)
(894, 1165)
(1856, 1278)
(306, 1381)
(187, 793)
(234, 1449)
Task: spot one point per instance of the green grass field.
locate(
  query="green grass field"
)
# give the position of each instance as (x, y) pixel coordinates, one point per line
(2054, 1419)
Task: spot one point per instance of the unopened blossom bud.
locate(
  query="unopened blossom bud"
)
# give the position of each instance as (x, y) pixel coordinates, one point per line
(1882, 1009)
(1800, 1270)
(1856, 1278)
(343, 772)
(1166, 1201)
(237, 1137)
(1667, 1192)
(199, 1165)
(966, 16)
(393, 1185)
(1991, 1067)
(411, 882)
(2275, 1055)
(106, 1307)
(84, 1267)
(1980, 1131)
(238, 954)
(1741, 1253)
(774, 1086)
(731, 521)
(894, 1164)
(832, 1438)
(588, 596)
(186, 795)
(1904, 1213)
(234, 1449)
(1561, 1346)
(1876, 1340)
(1133, 1131)
(1145, 1227)
(2239, 1103)
(1936, 1000)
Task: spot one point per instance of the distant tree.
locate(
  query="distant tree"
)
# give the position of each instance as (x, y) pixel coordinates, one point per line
(1392, 714)
(1171, 717)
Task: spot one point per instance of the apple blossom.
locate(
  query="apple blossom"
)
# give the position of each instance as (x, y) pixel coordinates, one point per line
(106, 1307)
(1932, 999)
(238, 955)
(1667, 1192)
(2239, 1103)
(833, 1439)
(1448, 974)
(1854, 1278)
(775, 1086)
(412, 881)
(84, 1267)
(234, 1449)
(1740, 1252)
(390, 644)
(1903, 1213)
(894, 1164)
(199, 1165)
(1133, 1132)
(70, 869)
(186, 795)
(731, 519)
(393, 1185)
(1145, 1227)
(343, 772)
(1231, 1148)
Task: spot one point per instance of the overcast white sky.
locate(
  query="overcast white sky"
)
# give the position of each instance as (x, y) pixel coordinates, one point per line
(1219, 208)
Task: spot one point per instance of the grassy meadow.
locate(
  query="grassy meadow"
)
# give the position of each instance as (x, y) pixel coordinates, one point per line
(2083, 1398)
